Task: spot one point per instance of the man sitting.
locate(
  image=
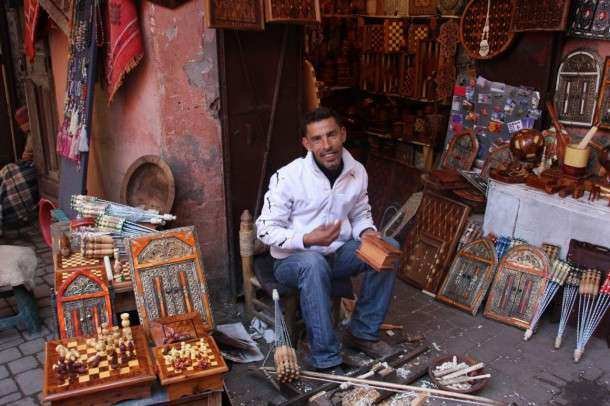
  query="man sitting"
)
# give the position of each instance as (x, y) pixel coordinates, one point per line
(314, 214)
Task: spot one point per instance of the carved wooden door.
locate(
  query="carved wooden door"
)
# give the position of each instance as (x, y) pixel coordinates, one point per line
(518, 286)
(248, 68)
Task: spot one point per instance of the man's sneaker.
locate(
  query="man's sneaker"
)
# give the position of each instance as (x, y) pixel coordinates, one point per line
(374, 349)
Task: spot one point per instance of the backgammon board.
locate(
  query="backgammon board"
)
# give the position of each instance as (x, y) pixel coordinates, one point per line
(201, 372)
(83, 301)
(518, 286)
(470, 275)
(101, 385)
(168, 276)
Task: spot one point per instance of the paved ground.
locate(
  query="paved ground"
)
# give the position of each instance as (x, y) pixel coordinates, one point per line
(528, 373)
(21, 353)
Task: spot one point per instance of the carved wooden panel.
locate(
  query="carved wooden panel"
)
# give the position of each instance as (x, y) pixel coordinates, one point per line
(518, 286)
(470, 275)
(431, 242)
(602, 113)
(292, 11)
(473, 24)
(235, 14)
(461, 152)
(541, 15)
(498, 158)
(83, 302)
(168, 276)
(450, 7)
(590, 19)
(576, 89)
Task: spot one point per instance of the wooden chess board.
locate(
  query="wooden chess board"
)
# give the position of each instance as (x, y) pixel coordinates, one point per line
(76, 261)
(191, 379)
(132, 377)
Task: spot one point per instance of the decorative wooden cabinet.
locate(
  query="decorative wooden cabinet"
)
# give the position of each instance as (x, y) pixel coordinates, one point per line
(168, 276)
(470, 275)
(83, 302)
(518, 286)
(430, 243)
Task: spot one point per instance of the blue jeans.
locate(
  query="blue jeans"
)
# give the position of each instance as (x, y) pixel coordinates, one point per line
(313, 274)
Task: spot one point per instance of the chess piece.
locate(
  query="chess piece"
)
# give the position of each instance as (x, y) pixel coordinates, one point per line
(64, 246)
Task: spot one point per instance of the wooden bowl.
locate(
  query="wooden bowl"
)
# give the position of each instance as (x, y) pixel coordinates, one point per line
(475, 387)
(149, 183)
(527, 145)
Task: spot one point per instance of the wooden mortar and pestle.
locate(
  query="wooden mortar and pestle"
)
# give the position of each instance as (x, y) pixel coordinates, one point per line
(576, 157)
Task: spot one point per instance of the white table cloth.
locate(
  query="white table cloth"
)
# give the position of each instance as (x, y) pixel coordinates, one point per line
(520, 211)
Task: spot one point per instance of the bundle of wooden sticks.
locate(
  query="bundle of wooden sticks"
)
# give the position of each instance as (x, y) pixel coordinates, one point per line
(455, 375)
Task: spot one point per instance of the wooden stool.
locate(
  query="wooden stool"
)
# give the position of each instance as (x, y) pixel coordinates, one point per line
(17, 268)
(257, 274)
(26, 306)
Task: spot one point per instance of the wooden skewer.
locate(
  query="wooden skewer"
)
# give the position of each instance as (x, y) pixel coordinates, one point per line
(394, 386)
(464, 379)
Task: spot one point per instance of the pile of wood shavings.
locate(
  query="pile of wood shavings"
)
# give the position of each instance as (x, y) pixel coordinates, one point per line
(360, 397)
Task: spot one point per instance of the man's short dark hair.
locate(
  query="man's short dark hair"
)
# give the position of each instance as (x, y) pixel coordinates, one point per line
(319, 114)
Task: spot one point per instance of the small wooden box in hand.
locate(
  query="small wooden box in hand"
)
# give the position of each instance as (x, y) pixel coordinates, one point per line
(378, 253)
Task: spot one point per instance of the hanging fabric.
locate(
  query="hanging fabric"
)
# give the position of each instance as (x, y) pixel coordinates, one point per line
(124, 48)
(72, 138)
(31, 11)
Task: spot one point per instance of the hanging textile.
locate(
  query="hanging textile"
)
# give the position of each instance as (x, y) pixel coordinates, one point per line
(124, 48)
(31, 10)
(72, 138)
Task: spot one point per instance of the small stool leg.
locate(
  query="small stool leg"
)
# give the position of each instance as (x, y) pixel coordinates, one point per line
(27, 307)
(290, 311)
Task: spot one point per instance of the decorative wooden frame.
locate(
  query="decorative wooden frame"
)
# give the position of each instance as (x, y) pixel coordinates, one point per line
(188, 323)
(582, 65)
(103, 391)
(602, 112)
(590, 19)
(168, 276)
(190, 382)
(470, 276)
(307, 11)
(541, 15)
(252, 16)
(518, 286)
(499, 156)
(84, 290)
(439, 224)
(422, 7)
(461, 151)
(450, 7)
(500, 34)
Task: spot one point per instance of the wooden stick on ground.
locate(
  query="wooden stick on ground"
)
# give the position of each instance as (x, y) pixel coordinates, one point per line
(396, 387)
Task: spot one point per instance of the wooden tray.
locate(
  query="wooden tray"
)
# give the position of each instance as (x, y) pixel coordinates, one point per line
(191, 380)
(130, 382)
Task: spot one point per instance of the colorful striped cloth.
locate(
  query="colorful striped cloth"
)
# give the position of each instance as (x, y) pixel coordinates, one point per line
(18, 193)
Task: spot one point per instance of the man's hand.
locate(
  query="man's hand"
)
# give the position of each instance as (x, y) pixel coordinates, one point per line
(371, 232)
(323, 235)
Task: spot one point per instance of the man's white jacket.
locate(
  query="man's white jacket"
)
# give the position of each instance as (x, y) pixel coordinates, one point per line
(300, 198)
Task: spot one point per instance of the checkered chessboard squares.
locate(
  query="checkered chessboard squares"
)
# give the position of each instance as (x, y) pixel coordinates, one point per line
(393, 36)
(417, 32)
(373, 38)
(76, 260)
